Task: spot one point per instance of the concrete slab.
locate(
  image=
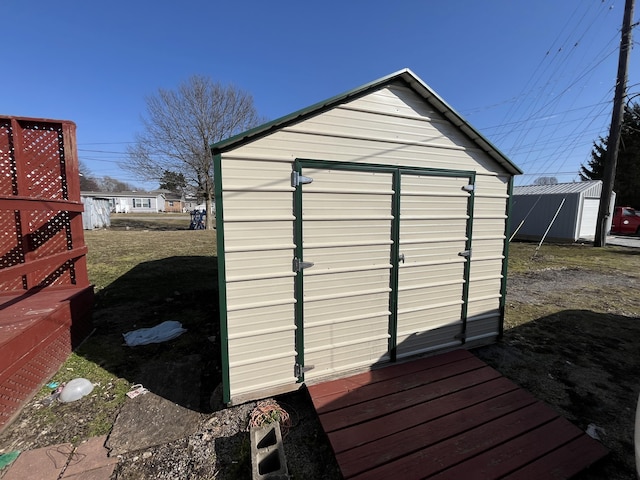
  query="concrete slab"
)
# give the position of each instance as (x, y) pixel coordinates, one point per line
(150, 420)
(624, 241)
(44, 463)
(89, 456)
(102, 473)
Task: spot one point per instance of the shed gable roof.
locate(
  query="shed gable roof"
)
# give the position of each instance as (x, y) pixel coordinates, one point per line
(406, 76)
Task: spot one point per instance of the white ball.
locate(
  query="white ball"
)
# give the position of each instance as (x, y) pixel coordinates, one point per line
(75, 390)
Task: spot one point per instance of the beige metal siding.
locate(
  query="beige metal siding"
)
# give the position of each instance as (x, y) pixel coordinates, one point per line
(433, 224)
(346, 293)
(483, 314)
(396, 105)
(259, 248)
(393, 126)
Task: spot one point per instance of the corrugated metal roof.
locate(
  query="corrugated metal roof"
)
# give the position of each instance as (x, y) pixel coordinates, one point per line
(410, 79)
(591, 188)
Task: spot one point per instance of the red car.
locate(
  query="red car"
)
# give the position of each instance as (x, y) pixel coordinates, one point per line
(625, 220)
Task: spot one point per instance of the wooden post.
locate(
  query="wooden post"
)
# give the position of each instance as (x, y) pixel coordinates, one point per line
(613, 143)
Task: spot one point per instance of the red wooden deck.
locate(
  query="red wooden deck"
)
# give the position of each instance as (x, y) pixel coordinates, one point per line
(45, 295)
(37, 333)
(449, 416)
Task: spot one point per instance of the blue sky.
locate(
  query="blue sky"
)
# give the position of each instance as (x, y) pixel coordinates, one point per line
(534, 77)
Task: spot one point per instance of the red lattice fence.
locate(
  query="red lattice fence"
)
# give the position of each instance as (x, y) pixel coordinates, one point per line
(45, 295)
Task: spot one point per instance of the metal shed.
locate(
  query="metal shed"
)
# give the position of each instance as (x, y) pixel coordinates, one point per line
(576, 205)
(97, 212)
(364, 229)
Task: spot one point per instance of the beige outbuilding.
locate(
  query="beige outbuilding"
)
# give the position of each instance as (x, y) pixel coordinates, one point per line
(362, 230)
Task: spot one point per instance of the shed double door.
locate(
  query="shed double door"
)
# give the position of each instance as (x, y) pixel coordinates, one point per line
(389, 249)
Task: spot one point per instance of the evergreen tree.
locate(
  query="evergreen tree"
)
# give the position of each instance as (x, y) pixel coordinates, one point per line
(627, 180)
(173, 181)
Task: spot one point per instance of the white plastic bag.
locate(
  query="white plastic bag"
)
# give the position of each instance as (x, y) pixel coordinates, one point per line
(160, 333)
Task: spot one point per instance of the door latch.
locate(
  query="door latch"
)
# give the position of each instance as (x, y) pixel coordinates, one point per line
(401, 258)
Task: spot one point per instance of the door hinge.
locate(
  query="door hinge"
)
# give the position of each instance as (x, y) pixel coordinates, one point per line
(465, 253)
(469, 188)
(299, 370)
(297, 179)
(299, 265)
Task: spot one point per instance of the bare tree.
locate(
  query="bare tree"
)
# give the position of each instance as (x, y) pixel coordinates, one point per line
(88, 181)
(181, 125)
(110, 184)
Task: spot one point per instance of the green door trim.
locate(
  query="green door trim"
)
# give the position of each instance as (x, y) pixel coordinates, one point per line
(397, 172)
(298, 282)
(467, 264)
(222, 279)
(395, 268)
(505, 259)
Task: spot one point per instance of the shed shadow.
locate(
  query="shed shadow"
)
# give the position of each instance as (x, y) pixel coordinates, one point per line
(184, 370)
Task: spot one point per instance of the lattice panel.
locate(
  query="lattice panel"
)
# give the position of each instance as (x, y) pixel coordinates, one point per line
(33, 373)
(8, 185)
(10, 242)
(49, 233)
(36, 155)
(11, 250)
(44, 168)
(62, 275)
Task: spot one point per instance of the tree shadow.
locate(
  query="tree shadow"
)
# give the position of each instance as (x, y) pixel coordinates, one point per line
(626, 251)
(184, 370)
(151, 225)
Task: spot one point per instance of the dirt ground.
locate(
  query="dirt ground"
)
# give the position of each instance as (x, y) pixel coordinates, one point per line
(582, 363)
(581, 355)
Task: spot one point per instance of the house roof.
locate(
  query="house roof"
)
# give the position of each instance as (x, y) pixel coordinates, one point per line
(406, 76)
(560, 188)
(135, 194)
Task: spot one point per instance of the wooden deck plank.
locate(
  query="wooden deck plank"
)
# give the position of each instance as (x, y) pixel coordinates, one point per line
(435, 423)
(507, 457)
(564, 462)
(452, 427)
(396, 384)
(329, 392)
(376, 429)
(382, 406)
(446, 452)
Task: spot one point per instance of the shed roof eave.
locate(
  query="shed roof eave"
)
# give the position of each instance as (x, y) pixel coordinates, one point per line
(405, 75)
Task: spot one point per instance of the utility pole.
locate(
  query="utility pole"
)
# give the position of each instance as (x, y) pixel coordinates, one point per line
(613, 143)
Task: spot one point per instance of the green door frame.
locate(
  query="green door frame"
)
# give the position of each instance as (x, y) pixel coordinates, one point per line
(396, 172)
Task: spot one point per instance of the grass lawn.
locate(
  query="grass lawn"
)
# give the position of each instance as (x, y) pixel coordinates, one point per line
(142, 276)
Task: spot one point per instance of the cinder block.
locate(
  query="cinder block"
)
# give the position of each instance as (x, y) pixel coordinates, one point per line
(267, 453)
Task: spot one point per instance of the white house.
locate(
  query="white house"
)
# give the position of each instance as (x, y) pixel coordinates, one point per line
(134, 201)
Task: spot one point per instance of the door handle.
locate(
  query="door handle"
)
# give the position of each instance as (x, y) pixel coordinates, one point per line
(401, 258)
